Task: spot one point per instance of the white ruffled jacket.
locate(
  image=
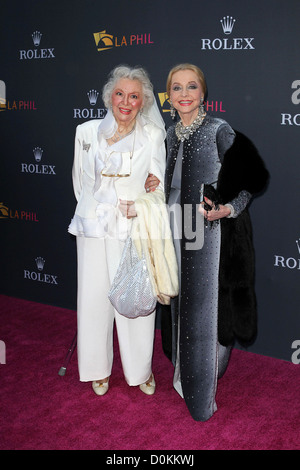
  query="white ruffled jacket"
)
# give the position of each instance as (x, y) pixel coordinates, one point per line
(142, 152)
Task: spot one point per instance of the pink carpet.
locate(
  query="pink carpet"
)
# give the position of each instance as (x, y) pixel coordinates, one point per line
(258, 397)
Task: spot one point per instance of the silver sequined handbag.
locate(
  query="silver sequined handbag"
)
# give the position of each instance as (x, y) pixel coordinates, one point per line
(131, 290)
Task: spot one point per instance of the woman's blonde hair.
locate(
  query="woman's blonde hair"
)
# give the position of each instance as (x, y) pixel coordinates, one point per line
(187, 66)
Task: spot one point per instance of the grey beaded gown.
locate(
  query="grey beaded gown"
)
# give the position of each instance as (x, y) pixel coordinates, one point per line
(197, 355)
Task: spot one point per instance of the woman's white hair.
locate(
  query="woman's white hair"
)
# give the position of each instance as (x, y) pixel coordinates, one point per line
(132, 73)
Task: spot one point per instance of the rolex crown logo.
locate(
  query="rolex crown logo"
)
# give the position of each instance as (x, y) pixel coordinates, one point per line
(298, 244)
(37, 152)
(227, 24)
(36, 37)
(93, 96)
(40, 262)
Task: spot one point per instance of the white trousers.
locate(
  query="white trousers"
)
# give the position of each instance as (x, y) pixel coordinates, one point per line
(98, 260)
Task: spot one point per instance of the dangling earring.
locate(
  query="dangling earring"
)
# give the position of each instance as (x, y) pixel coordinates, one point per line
(201, 107)
(172, 110)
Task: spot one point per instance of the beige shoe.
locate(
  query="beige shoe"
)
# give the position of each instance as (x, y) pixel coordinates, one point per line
(100, 388)
(149, 387)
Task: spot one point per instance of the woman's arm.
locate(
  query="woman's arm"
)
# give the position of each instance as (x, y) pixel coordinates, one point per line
(231, 209)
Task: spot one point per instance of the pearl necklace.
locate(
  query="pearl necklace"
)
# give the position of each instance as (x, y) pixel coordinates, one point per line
(184, 132)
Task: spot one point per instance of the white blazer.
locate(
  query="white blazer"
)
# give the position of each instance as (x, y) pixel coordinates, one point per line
(149, 156)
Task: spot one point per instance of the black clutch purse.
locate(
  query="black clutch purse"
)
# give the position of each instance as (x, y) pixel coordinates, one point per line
(209, 192)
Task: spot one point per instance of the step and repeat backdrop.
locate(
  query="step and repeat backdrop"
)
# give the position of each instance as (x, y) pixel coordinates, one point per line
(55, 58)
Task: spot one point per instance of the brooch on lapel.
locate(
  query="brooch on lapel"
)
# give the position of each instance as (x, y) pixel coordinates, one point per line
(86, 146)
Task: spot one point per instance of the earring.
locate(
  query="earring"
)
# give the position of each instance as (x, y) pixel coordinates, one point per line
(172, 110)
(201, 107)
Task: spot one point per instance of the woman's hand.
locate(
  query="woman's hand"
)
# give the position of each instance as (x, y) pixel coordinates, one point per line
(213, 214)
(151, 183)
(127, 208)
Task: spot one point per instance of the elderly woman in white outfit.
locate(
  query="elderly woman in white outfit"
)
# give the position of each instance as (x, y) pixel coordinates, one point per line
(113, 159)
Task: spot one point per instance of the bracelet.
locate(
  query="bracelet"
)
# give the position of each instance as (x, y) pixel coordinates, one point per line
(229, 216)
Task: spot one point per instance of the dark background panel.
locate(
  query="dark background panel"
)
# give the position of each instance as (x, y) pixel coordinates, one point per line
(253, 86)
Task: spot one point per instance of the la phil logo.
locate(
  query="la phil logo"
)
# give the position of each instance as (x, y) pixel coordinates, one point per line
(17, 214)
(105, 41)
(227, 24)
(37, 53)
(40, 276)
(290, 262)
(15, 105)
(210, 106)
(21, 105)
(2, 95)
(91, 112)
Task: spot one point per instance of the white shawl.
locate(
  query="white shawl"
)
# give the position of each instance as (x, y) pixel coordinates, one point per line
(151, 234)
